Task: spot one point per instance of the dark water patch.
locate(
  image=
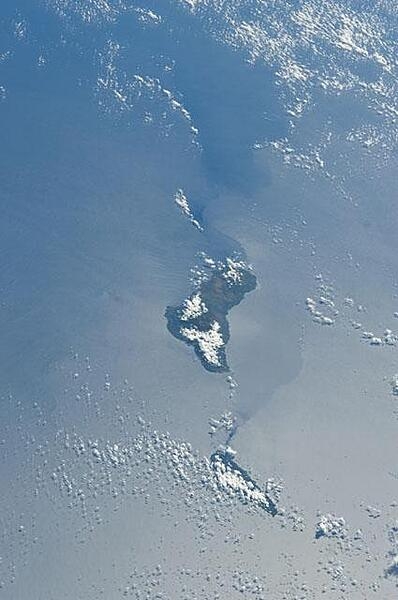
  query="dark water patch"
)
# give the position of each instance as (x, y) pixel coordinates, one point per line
(233, 102)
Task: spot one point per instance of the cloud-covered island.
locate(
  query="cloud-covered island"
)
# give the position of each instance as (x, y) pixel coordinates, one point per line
(201, 320)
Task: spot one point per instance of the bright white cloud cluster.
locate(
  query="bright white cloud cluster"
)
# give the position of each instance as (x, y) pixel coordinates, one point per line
(394, 385)
(193, 307)
(331, 526)
(90, 11)
(232, 480)
(142, 97)
(225, 422)
(148, 17)
(331, 48)
(318, 316)
(233, 270)
(182, 202)
(210, 342)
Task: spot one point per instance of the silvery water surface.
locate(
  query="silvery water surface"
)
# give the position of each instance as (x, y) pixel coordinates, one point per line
(232, 164)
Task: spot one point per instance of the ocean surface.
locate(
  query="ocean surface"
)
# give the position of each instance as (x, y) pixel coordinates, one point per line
(153, 154)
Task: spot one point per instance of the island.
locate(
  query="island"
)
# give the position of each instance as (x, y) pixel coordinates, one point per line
(236, 481)
(201, 320)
